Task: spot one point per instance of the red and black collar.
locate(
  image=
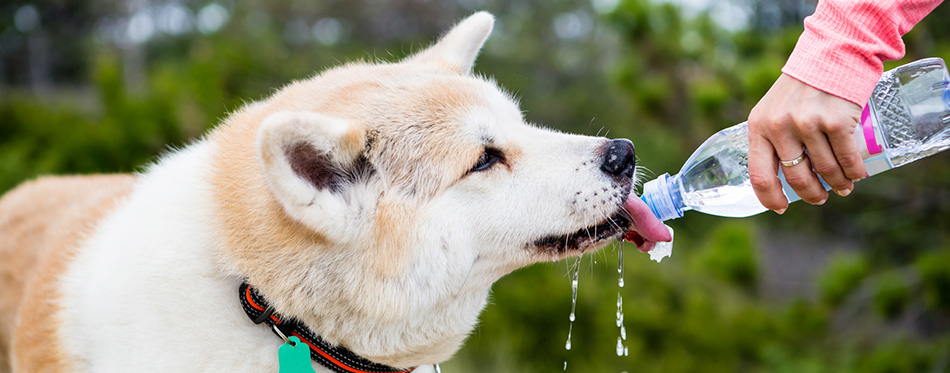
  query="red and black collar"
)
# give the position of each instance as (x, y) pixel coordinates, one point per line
(336, 358)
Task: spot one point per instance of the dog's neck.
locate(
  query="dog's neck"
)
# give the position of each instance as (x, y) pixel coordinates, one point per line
(335, 358)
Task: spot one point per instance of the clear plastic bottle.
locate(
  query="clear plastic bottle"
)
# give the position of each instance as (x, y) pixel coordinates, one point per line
(906, 119)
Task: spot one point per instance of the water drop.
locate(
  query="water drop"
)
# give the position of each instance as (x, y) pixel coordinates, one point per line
(626, 352)
(567, 346)
(619, 347)
(620, 261)
(565, 366)
(619, 310)
(438, 369)
(623, 332)
(620, 282)
(572, 317)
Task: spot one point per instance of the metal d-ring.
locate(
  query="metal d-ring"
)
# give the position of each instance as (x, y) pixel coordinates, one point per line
(282, 336)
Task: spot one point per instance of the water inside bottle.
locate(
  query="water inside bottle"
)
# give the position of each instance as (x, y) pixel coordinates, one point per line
(716, 178)
(726, 200)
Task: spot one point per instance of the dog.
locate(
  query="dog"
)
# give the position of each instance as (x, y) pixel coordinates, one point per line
(366, 210)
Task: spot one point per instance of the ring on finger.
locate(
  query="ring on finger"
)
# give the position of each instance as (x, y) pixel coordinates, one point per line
(793, 162)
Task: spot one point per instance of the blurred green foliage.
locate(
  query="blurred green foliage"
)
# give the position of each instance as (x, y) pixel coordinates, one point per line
(731, 256)
(861, 284)
(843, 274)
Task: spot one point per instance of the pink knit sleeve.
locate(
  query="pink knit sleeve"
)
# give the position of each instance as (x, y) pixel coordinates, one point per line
(845, 43)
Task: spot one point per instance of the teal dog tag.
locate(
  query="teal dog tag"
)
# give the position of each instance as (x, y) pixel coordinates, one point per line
(294, 358)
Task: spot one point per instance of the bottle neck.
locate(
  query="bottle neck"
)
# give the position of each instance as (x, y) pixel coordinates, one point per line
(664, 197)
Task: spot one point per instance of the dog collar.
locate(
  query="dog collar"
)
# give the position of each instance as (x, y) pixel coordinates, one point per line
(336, 358)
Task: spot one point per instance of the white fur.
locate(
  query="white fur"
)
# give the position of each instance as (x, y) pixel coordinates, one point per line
(146, 292)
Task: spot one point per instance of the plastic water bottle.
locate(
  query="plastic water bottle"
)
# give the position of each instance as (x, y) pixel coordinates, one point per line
(907, 118)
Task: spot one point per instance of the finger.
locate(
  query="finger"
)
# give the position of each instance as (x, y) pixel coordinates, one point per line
(841, 138)
(800, 176)
(763, 171)
(805, 182)
(825, 163)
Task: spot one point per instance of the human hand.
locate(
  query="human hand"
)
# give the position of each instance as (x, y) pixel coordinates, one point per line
(794, 117)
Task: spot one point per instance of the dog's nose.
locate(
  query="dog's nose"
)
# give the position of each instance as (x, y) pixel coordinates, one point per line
(619, 158)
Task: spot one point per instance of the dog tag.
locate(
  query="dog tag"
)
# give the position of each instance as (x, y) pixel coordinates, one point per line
(294, 358)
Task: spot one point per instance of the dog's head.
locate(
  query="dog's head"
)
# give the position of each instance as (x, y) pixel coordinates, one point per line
(377, 203)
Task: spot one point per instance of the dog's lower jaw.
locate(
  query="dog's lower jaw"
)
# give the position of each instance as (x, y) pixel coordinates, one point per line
(591, 238)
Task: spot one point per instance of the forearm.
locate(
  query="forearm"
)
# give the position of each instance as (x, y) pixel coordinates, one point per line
(845, 42)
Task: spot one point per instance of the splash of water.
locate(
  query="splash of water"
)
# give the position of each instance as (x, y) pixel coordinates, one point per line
(663, 249)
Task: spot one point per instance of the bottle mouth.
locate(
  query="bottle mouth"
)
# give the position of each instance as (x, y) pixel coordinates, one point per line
(657, 195)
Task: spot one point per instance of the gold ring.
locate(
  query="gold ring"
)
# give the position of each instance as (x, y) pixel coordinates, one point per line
(793, 162)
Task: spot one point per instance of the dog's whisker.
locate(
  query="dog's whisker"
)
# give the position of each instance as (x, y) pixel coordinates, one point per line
(615, 225)
(641, 174)
(611, 221)
(626, 215)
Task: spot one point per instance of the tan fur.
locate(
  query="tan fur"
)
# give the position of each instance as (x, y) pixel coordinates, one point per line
(43, 222)
(240, 184)
(393, 226)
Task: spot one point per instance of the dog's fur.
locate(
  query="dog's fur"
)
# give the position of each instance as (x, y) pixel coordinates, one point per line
(352, 201)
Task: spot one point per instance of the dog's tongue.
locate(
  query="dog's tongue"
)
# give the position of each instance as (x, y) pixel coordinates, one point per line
(647, 229)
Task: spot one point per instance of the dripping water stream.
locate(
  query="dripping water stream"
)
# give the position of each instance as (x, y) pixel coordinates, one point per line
(621, 348)
(570, 330)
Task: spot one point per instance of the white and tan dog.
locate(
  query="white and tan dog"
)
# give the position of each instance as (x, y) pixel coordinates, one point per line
(374, 203)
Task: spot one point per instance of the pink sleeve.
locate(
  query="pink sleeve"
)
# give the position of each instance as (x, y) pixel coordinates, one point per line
(845, 43)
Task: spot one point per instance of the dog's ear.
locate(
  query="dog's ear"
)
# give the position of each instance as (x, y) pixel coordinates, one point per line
(459, 47)
(311, 159)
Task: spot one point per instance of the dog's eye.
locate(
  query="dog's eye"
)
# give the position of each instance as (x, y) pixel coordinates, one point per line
(488, 159)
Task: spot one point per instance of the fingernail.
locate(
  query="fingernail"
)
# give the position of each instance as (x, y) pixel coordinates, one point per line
(843, 193)
(780, 211)
(822, 202)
